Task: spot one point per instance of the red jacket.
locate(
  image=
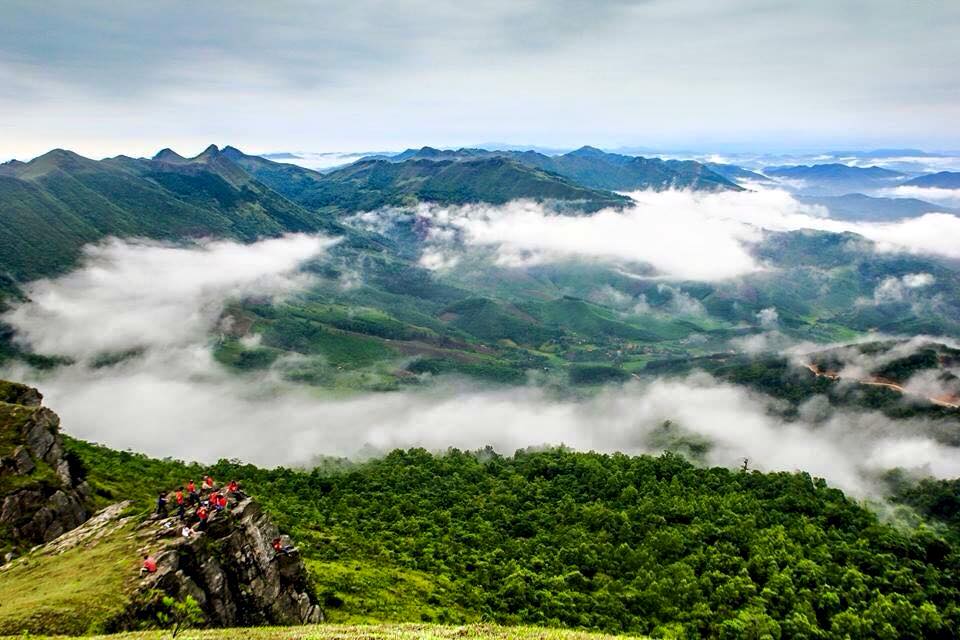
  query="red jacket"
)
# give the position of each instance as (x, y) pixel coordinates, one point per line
(179, 497)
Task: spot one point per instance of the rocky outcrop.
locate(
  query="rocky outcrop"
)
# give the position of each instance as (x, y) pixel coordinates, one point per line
(41, 494)
(232, 570)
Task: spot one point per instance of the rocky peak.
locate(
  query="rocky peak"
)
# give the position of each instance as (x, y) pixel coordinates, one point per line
(41, 494)
(231, 570)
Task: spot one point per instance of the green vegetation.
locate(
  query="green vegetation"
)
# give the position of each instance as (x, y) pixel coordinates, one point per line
(78, 591)
(591, 167)
(374, 183)
(367, 632)
(609, 542)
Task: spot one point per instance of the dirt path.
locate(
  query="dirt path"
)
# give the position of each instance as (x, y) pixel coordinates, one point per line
(950, 403)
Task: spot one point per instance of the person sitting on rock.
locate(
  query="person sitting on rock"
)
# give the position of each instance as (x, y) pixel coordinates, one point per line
(233, 489)
(221, 501)
(149, 565)
(161, 506)
(215, 501)
(208, 483)
(281, 549)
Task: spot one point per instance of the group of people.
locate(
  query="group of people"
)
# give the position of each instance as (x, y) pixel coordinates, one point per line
(203, 501)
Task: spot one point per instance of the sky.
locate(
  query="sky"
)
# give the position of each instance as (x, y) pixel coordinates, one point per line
(103, 77)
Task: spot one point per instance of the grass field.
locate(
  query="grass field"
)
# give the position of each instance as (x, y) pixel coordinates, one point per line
(76, 591)
(363, 632)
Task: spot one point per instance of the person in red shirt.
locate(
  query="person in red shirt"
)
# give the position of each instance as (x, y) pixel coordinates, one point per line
(233, 487)
(202, 514)
(281, 549)
(181, 510)
(208, 482)
(192, 491)
(149, 565)
(221, 501)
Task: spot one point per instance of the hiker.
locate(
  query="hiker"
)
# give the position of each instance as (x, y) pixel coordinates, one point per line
(202, 514)
(215, 502)
(233, 489)
(161, 506)
(149, 565)
(187, 532)
(222, 501)
(181, 508)
(208, 483)
(281, 549)
(193, 493)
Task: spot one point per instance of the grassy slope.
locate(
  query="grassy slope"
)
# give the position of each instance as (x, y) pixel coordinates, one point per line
(369, 632)
(77, 591)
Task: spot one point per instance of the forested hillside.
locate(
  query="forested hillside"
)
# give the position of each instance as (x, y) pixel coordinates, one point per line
(610, 542)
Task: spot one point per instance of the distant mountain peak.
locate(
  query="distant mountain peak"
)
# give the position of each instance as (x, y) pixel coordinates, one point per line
(168, 155)
(209, 153)
(232, 152)
(587, 151)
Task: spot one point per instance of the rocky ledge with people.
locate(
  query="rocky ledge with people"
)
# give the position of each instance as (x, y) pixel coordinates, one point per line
(218, 546)
(226, 558)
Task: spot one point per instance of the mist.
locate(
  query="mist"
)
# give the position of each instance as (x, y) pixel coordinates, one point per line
(171, 398)
(683, 235)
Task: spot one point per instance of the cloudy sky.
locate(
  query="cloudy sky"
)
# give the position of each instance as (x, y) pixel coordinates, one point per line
(104, 77)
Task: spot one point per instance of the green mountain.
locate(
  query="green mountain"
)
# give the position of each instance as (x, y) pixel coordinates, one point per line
(941, 180)
(53, 205)
(857, 206)
(595, 168)
(373, 183)
(736, 173)
(835, 178)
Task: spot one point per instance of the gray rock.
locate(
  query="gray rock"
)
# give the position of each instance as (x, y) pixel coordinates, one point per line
(39, 510)
(234, 574)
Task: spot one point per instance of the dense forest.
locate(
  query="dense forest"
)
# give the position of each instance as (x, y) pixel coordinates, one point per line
(613, 542)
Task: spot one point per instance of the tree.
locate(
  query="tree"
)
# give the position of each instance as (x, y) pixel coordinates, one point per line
(177, 615)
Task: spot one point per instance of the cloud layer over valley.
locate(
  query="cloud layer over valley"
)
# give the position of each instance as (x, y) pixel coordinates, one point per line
(172, 398)
(682, 234)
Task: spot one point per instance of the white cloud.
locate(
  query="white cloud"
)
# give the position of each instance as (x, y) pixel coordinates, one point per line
(681, 234)
(893, 289)
(173, 398)
(768, 318)
(935, 195)
(130, 295)
(183, 405)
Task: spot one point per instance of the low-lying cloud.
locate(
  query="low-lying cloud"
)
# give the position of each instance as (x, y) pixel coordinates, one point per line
(183, 405)
(936, 195)
(681, 234)
(171, 397)
(131, 295)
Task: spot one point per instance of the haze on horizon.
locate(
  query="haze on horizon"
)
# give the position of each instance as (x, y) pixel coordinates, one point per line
(104, 78)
